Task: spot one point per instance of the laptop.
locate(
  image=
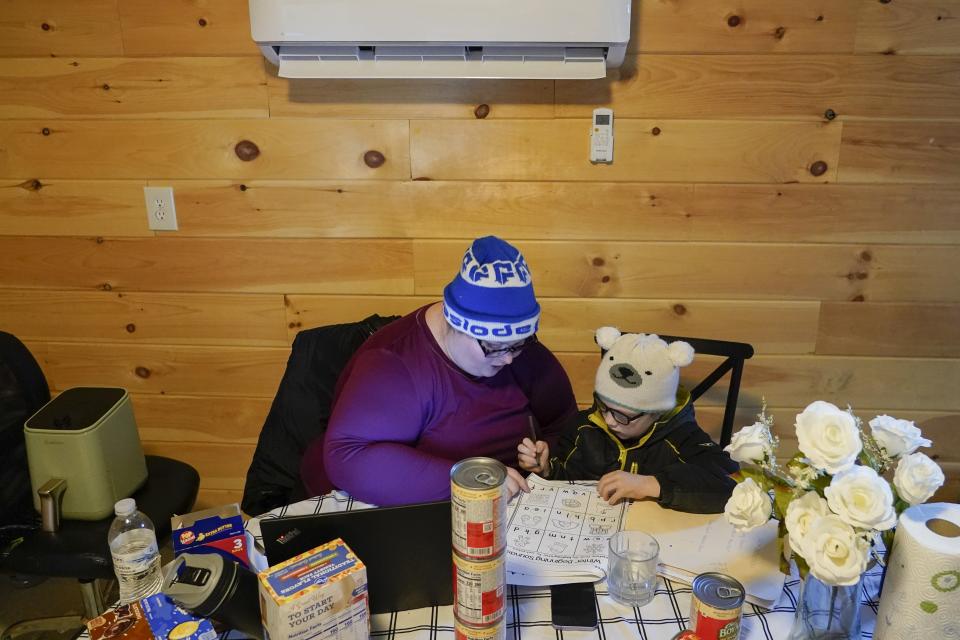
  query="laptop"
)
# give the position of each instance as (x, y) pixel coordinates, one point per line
(407, 550)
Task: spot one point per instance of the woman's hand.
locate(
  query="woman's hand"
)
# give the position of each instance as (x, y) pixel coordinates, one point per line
(534, 456)
(516, 482)
(619, 485)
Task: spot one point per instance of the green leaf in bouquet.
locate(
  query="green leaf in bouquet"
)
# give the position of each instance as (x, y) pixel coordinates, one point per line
(784, 562)
(782, 549)
(782, 495)
(802, 567)
(887, 537)
(757, 475)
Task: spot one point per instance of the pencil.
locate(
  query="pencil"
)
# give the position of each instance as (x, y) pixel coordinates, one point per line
(534, 432)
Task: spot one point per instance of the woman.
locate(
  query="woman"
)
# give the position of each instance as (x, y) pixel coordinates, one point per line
(452, 380)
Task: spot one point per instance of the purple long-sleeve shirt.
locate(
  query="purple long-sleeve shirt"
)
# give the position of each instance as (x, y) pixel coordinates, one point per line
(404, 413)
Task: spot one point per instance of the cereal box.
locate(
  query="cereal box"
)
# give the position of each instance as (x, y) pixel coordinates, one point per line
(216, 530)
(317, 595)
(153, 617)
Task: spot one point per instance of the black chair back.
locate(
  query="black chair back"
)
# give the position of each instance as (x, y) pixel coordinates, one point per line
(734, 354)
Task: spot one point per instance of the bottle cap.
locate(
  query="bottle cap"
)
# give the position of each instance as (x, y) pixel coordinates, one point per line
(125, 507)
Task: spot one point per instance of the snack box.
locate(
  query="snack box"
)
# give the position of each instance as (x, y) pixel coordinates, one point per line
(216, 530)
(317, 595)
(154, 617)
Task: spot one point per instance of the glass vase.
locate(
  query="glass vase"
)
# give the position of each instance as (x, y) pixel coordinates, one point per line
(826, 613)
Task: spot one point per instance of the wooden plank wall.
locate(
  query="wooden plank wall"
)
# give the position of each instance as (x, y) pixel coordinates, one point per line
(786, 174)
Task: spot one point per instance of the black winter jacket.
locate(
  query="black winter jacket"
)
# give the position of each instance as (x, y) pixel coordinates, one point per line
(693, 472)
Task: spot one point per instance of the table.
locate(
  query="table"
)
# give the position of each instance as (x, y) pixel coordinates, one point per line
(528, 608)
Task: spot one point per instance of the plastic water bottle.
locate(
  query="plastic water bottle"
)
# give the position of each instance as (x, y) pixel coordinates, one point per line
(136, 557)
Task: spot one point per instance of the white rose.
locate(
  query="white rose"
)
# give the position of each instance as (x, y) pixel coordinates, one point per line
(828, 437)
(750, 444)
(835, 553)
(917, 478)
(897, 437)
(801, 513)
(748, 507)
(862, 499)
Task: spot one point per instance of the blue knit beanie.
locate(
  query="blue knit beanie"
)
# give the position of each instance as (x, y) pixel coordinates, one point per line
(492, 296)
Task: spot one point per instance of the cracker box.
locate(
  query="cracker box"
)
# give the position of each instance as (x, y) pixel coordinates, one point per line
(153, 617)
(216, 530)
(317, 595)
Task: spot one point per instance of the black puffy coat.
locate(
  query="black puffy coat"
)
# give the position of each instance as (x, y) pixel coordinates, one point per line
(693, 472)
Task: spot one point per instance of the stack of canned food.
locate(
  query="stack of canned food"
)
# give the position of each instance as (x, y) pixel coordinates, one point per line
(479, 505)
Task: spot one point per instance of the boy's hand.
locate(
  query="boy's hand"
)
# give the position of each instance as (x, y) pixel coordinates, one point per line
(619, 485)
(534, 456)
(516, 482)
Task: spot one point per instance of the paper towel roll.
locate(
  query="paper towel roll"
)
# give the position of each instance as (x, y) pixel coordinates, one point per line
(921, 592)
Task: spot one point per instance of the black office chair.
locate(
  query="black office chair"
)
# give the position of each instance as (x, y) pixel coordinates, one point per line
(77, 549)
(301, 410)
(735, 353)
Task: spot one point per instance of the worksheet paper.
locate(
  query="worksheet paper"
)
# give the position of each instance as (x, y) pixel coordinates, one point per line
(693, 543)
(559, 533)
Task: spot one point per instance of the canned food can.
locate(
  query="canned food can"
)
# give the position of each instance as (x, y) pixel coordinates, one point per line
(716, 606)
(463, 631)
(478, 590)
(479, 507)
(686, 634)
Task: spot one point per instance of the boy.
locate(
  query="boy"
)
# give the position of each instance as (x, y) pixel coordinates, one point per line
(640, 438)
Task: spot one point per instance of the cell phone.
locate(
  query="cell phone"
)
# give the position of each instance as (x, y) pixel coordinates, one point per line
(573, 607)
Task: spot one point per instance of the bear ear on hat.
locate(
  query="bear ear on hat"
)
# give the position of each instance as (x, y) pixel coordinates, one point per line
(680, 353)
(606, 336)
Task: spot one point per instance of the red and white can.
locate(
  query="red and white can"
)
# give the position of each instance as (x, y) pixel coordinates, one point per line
(463, 631)
(479, 507)
(716, 606)
(478, 591)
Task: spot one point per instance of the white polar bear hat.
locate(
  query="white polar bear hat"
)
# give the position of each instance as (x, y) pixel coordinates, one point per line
(639, 371)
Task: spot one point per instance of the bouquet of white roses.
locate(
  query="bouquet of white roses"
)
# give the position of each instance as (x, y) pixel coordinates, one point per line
(831, 498)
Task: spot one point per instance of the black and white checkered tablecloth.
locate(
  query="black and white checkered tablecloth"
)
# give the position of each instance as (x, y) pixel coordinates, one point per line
(528, 608)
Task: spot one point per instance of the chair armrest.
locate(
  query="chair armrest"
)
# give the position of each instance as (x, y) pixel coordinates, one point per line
(51, 501)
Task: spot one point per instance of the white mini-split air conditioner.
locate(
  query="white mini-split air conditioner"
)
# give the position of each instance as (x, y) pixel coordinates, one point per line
(442, 38)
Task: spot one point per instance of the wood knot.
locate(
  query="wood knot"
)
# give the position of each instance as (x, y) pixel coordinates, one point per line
(605, 279)
(131, 328)
(202, 22)
(829, 114)
(31, 185)
(422, 179)
(295, 325)
(733, 21)
(142, 372)
(866, 256)
(246, 150)
(99, 239)
(45, 131)
(106, 286)
(780, 32)
(374, 159)
(818, 168)
(482, 111)
(655, 131)
(679, 309)
(857, 298)
(819, 18)
(46, 26)
(598, 262)
(243, 187)
(884, 1)
(105, 87)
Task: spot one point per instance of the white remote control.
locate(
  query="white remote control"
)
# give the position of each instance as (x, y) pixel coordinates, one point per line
(601, 136)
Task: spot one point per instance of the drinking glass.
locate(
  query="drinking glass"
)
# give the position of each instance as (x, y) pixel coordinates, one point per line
(632, 567)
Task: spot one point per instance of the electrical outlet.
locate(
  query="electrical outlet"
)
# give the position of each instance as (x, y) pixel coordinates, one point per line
(161, 212)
